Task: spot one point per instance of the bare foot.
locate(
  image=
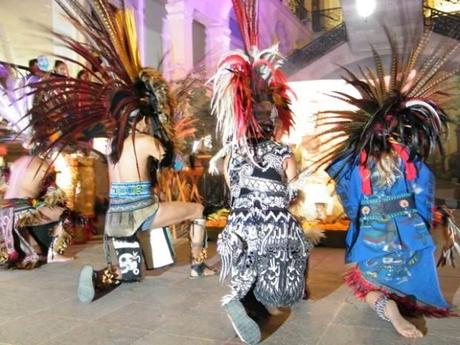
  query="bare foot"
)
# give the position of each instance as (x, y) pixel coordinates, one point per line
(273, 311)
(401, 325)
(58, 258)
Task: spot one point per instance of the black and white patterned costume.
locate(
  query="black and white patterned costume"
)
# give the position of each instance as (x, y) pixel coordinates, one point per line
(262, 247)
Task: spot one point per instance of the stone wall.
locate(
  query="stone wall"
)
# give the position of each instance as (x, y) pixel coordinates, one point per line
(277, 23)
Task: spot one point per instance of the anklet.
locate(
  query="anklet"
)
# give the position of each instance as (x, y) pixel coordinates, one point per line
(379, 307)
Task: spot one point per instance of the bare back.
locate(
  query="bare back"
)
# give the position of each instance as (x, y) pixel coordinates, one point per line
(27, 174)
(125, 169)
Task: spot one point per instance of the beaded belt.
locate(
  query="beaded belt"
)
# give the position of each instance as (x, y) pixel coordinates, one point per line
(388, 207)
(17, 202)
(130, 189)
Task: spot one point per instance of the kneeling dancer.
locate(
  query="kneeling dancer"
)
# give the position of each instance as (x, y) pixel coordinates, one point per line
(263, 247)
(131, 106)
(387, 189)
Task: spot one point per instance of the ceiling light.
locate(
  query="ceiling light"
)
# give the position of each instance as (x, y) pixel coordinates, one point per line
(365, 7)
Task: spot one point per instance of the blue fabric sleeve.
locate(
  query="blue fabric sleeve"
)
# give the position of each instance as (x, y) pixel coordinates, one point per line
(348, 186)
(423, 189)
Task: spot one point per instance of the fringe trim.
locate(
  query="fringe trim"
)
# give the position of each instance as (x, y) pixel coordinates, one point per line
(314, 235)
(361, 287)
(224, 250)
(444, 218)
(61, 243)
(28, 218)
(3, 256)
(54, 197)
(107, 277)
(227, 299)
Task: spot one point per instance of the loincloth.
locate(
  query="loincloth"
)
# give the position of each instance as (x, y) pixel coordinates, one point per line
(132, 207)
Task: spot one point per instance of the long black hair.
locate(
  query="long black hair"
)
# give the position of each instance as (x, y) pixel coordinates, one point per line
(149, 110)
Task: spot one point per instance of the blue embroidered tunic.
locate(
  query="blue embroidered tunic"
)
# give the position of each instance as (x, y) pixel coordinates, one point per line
(389, 236)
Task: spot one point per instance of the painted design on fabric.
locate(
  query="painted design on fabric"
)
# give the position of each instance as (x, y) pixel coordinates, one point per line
(262, 247)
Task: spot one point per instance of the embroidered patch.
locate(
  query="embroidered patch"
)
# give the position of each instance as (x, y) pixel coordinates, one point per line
(129, 257)
(365, 210)
(404, 203)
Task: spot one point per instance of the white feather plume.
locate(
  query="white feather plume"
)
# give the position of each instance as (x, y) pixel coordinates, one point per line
(14, 105)
(223, 97)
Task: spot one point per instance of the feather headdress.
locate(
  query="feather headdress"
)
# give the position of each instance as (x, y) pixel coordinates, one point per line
(399, 113)
(246, 78)
(118, 95)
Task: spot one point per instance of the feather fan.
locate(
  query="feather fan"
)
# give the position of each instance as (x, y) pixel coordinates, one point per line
(406, 109)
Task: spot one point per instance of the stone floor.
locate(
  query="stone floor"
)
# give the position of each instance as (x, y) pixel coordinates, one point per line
(39, 307)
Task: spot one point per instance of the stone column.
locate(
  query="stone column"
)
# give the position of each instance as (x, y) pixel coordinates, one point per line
(178, 39)
(218, 39)
(139, 8)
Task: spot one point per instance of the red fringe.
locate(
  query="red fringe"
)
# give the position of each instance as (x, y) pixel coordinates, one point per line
(361, 287)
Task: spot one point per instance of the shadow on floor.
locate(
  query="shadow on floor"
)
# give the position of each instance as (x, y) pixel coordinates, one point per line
(268, 324)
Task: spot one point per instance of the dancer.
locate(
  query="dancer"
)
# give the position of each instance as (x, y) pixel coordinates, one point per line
(386, 187)
(132, 107)
(36, 227)
(262, 247)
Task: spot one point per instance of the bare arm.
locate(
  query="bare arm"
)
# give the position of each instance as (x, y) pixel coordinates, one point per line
(290, 168)
(225, 168)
